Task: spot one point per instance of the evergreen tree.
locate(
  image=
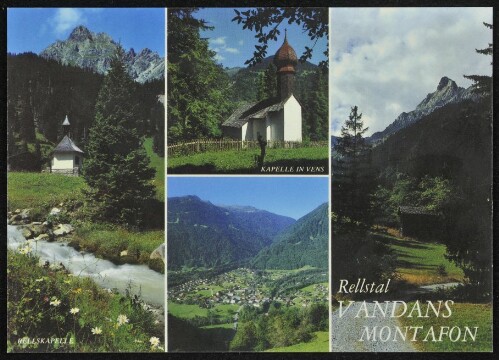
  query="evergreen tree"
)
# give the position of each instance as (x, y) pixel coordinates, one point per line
(270, 81)
(116, 167)
(197, 86)
(316, 111)
(351, 176)
(260, 90)
(482, 84)
(267, 83)
(27, 125)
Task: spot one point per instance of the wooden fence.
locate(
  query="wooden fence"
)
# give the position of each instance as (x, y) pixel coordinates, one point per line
(200, 146)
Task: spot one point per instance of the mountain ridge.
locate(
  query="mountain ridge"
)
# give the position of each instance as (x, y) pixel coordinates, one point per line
(447, 92)
(303, 243)
(86, 49)
(203, 234)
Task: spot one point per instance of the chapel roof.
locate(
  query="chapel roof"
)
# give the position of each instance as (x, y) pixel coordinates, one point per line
(254, 110)
(67, 145)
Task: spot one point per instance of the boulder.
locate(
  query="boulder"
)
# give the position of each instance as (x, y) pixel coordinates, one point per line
(27, 233)
(25, 214)
(45, 237)
(17, 211)
(55, 211)
(36, 229)
(63, 229)
(15, 218)
(124, 253)
(158, 253)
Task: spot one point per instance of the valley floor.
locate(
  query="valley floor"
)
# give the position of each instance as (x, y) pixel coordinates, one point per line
(216, 302)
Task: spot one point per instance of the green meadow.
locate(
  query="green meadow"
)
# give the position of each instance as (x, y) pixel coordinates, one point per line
(158, 164)
(319, 343)
(243, 161)
(41, 191)
(463, 314)
(187, 311)
(421, 263)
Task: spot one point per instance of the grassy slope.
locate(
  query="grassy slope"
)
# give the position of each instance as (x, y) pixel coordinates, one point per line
(470, 315)
(157, 163)
(417, 264)
(185, 311)
(41, 191)
(418, 261)
(243, 161)
(320, 343)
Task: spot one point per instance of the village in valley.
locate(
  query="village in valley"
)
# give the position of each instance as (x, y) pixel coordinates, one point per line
(246, 287)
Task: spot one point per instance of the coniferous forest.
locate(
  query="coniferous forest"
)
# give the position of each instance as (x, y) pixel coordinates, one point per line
(42, 92)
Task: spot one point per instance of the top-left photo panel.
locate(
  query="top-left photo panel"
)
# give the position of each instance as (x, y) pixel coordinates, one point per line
(85, 180)
(247, 91)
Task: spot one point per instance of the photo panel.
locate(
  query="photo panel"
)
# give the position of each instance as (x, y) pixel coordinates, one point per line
(411, 122)
(247, 264)
(247, 91)
(86, 192)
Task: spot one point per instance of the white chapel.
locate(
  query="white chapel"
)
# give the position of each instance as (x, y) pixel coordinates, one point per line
(278, 118)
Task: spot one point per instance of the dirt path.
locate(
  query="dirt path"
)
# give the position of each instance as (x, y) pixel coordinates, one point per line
(347, 331)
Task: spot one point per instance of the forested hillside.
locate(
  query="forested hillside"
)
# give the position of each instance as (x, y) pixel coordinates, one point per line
(203, 234)
(304, 243)
(42, 92)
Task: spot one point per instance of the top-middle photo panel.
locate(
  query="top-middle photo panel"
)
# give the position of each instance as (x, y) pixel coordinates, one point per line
(247, 91)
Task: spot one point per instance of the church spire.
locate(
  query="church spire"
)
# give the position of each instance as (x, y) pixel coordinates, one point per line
(66, 126)
(285, 60)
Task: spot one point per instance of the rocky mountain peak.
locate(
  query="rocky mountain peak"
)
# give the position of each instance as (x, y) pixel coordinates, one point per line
(86, 49)
(447, 92)
(445, 82)
(80, 33)
(145, 51)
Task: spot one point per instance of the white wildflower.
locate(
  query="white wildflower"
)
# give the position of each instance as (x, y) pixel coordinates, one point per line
(55, 302)
(154, 341)
(122, 319)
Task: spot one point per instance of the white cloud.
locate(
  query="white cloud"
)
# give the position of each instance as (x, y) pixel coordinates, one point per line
(219, 57)
(220, 46)
(218, 41)
(66, 19)
(387, 60)
(232, 50)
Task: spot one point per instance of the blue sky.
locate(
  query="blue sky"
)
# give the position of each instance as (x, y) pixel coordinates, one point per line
(33, 29)
(234, 45)
(293, 197)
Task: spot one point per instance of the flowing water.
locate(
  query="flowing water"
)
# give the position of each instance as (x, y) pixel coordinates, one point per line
(142, 280)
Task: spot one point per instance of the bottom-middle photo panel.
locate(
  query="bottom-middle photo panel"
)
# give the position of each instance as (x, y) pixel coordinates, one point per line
(247, 264)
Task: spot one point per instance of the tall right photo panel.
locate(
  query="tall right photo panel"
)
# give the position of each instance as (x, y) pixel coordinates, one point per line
(411, 185)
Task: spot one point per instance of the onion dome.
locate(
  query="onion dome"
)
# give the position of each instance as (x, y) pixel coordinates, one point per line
(285, 58)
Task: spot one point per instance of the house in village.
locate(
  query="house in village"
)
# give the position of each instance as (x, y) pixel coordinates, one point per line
(67, 157)
(275, 119)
